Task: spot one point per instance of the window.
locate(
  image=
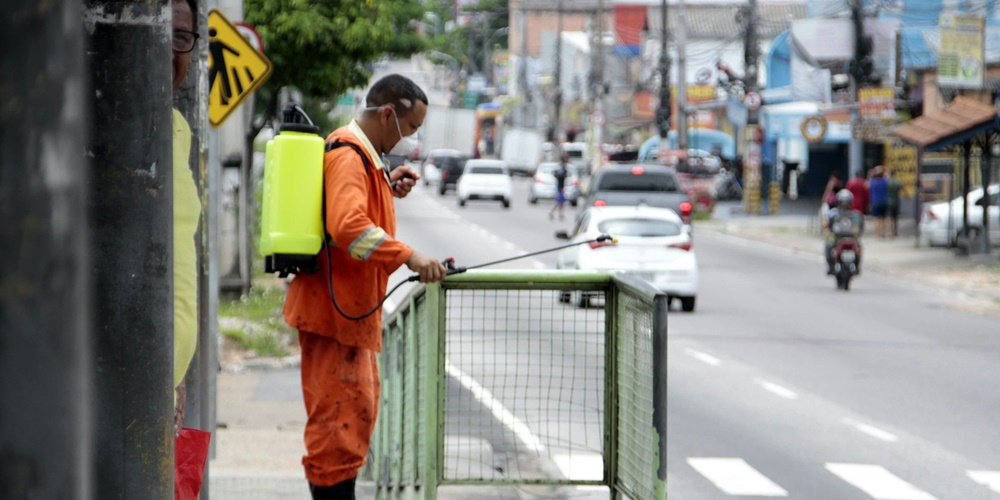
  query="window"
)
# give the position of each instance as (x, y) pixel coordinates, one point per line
(648, 228)
(648, 182)
(486, 170)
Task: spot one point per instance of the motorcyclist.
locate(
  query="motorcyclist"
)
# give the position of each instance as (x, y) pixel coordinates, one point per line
(843, 222)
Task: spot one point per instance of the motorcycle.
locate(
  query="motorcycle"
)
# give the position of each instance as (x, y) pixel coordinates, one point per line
(846, 261)
(725, 186)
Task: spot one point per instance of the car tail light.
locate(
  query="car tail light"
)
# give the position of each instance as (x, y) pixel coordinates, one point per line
(538, 180)
(685, 209)
(638, 170)
(686, 246)
(444, 175)
(594, 245)
(931, 215)
(600, 203)
(576, 182)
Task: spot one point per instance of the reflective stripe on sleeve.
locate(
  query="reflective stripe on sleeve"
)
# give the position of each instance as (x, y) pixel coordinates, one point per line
(368, 242)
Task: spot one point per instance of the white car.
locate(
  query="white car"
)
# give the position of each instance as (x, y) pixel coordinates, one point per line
(935, 229)
(652, 243)
(430, 171)
(543, 184)
(484, 180)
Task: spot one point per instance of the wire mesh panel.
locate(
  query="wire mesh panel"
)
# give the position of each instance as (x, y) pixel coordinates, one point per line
(537, 381)
(635, 396)
(524, 397)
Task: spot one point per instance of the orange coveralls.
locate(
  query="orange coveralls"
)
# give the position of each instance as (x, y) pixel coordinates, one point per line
(340, 381)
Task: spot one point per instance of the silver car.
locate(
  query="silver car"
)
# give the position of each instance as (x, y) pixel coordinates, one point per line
(543, 184)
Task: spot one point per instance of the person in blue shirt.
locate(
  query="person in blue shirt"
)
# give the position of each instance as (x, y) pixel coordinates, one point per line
(878, 186)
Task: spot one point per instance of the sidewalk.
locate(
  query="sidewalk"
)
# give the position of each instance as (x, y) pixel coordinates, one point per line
(974, 279)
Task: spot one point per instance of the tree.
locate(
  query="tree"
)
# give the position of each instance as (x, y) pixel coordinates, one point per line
(325, 47)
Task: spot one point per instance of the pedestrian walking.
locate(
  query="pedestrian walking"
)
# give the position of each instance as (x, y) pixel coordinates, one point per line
(560, 174)
(894, 189)
(878, 186)
(858, 187)
(338, 336)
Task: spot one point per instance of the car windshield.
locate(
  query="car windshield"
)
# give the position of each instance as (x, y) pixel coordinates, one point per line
(639, 227)
(486, 170)
(648, 181)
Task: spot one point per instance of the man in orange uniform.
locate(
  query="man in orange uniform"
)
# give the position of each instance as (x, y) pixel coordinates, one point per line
(340, 381)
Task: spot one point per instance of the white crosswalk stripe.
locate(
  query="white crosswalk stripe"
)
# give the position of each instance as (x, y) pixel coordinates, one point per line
(988, 478)
(877, 482)
(736, 477)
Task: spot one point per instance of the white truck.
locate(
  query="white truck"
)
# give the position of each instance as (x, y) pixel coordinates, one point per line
(448, 128)
(521, 149)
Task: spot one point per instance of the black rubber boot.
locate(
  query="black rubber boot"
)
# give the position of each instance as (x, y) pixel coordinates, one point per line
(340, 491)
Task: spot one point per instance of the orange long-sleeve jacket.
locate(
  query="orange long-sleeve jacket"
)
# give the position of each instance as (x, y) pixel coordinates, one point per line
(361, 219)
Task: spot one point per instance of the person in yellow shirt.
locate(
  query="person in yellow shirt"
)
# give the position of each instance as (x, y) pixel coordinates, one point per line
(187, 212)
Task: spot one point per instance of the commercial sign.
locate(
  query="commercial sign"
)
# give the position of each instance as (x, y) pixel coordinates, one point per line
(877, 103)
(236, 68)
(960, 60)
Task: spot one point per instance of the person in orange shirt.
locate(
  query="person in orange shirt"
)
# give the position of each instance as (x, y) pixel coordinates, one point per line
(340, 382)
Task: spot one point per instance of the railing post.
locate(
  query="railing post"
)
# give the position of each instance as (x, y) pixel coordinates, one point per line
(660, 306)
(611, 387)
(433, 378)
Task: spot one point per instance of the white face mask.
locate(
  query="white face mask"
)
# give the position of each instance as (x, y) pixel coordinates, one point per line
(406, 145)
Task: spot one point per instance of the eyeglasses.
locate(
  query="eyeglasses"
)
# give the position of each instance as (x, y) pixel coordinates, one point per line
(184, 41)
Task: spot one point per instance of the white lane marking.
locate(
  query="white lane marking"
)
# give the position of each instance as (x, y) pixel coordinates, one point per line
(872, 431)
(485, 397)
(736, 477)
(877, 482)
(987, 478)
(580, 466)
(708, 359)
(776, 389)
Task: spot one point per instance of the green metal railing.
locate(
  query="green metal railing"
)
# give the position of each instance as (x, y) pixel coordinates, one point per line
(501, 379)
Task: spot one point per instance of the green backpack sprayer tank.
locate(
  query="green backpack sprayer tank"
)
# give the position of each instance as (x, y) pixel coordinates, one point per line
(292, 231)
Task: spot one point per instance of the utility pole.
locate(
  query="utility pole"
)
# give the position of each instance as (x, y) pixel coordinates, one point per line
(861, 75)
(663, 112)
(597, 116)
(522, 68)
(557, 98)
(46, 400)
(682, 114)
(131, 248)
(752, 174)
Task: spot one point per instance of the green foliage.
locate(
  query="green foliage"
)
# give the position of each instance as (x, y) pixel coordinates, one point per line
(321, 47)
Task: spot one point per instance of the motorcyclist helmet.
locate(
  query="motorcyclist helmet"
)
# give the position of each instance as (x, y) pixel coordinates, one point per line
(844, 198)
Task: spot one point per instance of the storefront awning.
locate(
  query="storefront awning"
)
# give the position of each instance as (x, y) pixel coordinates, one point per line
(960, 121)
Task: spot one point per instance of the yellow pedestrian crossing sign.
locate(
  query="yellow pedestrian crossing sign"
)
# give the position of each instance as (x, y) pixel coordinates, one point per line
(235, 68)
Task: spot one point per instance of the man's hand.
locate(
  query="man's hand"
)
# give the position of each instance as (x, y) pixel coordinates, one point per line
(179, 409)
(429, 269)
(405, 178)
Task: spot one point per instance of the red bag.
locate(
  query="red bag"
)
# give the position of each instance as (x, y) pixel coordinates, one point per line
(190, 454)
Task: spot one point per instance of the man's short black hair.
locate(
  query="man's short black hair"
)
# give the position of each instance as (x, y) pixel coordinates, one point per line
(397, 90)
(193, 5)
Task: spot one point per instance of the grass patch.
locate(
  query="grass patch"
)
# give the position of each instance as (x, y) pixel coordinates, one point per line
(259, 324)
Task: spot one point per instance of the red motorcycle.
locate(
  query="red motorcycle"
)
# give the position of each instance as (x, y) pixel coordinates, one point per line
(846, 261)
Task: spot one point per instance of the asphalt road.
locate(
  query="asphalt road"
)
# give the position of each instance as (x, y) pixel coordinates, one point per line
(781, 386)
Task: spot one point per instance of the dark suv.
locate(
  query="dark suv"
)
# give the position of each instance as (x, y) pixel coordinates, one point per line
(451, 169)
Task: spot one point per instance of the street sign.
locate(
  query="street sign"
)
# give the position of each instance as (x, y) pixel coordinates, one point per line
(598, 117)
(752, 100)
(235, 71)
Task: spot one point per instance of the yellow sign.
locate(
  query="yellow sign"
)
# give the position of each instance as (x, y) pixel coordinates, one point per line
(235, 68)
(960, 61)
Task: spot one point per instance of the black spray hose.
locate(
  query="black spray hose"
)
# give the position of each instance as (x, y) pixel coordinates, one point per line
(449, 263)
